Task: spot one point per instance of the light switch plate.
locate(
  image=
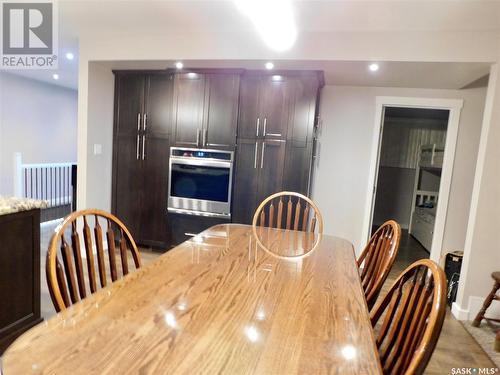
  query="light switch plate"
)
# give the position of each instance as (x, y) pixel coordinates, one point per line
(97, 149)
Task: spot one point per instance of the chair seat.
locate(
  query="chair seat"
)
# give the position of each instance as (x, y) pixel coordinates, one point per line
(496, 276)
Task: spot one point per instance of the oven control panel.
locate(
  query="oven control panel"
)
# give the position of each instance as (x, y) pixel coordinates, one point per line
(201, 154)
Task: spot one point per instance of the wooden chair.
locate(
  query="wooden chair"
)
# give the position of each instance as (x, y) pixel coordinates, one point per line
(67, 277)
(289, 210)
(377, 258)
(487, 302)
(408, 320)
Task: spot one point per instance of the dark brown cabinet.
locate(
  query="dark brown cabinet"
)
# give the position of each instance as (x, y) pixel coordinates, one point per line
(185, 227)
(246, 180)
(267, 119)
(221, 114)
(206, 110)
(259, 173)
(265, 105)
(275, 138)
(189, 97)
(19, 274)
(272, 163)
(143, 121)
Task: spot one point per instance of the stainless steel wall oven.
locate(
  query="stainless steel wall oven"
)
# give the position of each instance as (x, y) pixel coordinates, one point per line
(200, 181)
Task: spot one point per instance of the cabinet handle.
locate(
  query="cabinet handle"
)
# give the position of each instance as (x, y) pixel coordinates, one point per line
(138, 136)
(144, 124)
(258, 125)
(143, 146)
(270, 134)
(255, 155)
(262, 156)
(197, 137)
(205, 133)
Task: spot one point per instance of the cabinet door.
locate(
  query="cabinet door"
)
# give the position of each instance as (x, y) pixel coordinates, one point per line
(298, 167)
(128, 181)
(272, 163)
(249, 121)
(154, 230)
(276, 92)
(159, 102)
(129, 103)
(221, 114)
(303, 110)
(244, 201)
(189, 95)
(20, 274)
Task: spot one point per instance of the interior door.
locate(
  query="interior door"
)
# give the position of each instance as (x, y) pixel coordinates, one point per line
(277, 92)
(244, 200)
(272, 160)
(249, 121)
(189, 95)
(221, 115)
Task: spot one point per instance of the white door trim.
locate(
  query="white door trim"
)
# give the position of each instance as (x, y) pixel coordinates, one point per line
(454, 106)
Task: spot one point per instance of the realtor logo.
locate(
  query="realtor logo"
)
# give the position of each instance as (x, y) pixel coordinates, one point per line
(29, 35)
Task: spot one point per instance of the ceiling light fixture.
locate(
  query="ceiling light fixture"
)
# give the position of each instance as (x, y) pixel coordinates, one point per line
(373, 67)
(70, 56)
(274, 21)
(179, 65)
(269, 65)
(55, 76)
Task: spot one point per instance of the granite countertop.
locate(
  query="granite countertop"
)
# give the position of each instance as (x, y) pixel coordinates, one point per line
(10, 205)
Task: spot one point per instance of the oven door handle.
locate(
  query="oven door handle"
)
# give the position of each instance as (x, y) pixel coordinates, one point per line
(201, 163)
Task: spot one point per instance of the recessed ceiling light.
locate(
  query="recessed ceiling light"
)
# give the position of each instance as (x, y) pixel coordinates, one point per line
(269, 65)
(70, 56)
(179, 65)
(55, 76)
(373, 67)
(192, 75)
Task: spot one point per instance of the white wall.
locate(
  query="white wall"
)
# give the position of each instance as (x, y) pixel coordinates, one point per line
(349, 45)
(100, 132)
(341, 178)
(482, 247)
(37, 119)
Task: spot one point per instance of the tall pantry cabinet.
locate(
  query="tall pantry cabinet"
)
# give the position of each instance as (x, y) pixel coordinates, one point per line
(275, 137)
(142, 130)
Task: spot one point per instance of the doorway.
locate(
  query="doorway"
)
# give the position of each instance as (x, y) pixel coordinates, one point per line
(411, 169)
(409, 175)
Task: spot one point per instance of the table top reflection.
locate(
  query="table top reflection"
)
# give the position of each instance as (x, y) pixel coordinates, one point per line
(221, 302)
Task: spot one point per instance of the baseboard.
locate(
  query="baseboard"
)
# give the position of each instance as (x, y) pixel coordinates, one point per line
(475, 304)
(458, 312)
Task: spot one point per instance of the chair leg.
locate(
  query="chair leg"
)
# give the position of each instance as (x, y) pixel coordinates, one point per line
(497, 341)
(486, 304)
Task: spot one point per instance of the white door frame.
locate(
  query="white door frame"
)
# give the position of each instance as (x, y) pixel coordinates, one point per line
(454, 106)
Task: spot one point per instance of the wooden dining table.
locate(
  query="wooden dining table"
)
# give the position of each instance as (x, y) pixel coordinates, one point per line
(222, 302)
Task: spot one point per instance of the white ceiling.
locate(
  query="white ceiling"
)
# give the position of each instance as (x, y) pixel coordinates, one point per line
(122, 16)
(160, 17)
(348, 73)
